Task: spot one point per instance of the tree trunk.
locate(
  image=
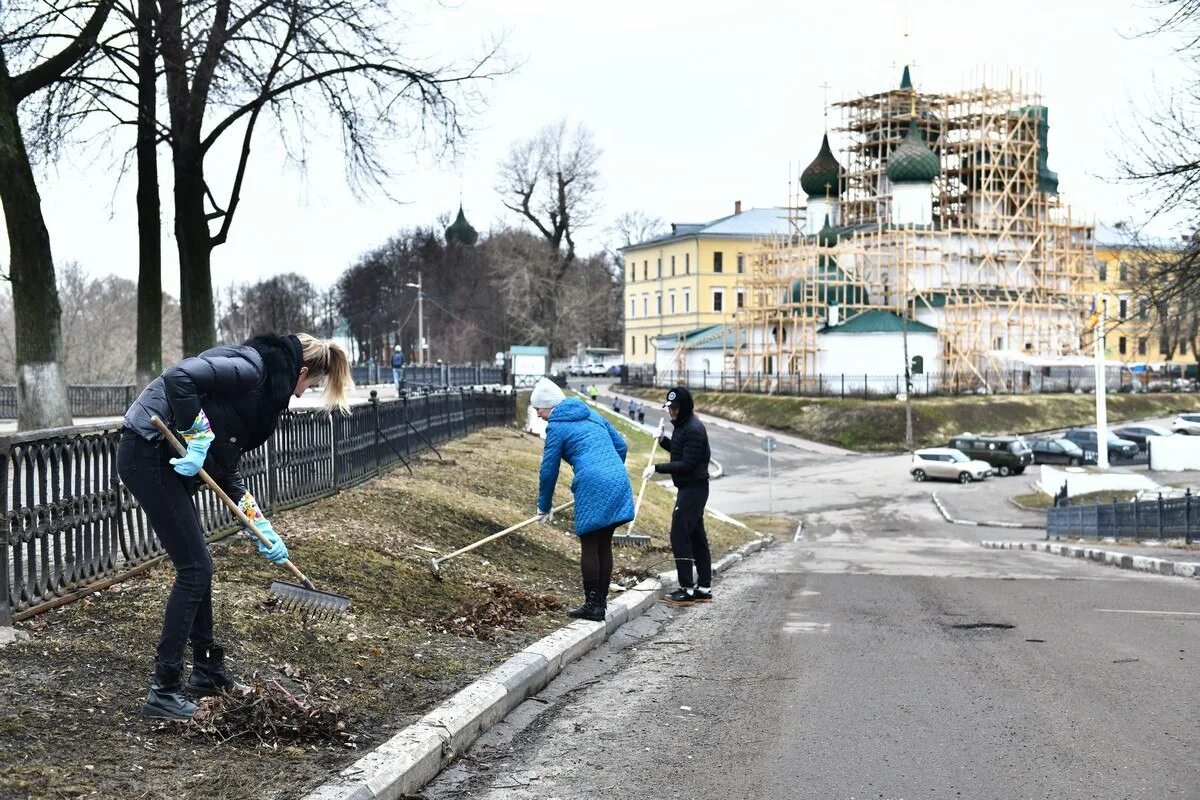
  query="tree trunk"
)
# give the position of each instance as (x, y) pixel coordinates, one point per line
(195, 251)
(149, 298)
(41, 394)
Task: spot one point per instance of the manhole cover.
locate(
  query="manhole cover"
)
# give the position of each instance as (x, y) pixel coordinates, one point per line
(983, 626)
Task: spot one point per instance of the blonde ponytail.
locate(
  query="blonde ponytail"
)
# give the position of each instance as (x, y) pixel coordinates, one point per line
(327, 361)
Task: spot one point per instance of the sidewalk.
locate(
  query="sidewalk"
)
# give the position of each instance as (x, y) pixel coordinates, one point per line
(720, 422)
(1180, 562)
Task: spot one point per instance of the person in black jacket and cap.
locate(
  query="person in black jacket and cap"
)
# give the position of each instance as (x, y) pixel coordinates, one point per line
(688, 468)
(224, 402)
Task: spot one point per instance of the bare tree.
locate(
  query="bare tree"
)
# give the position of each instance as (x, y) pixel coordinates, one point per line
(634, 227)
(551, 180)
(233, 65)
(41, 390)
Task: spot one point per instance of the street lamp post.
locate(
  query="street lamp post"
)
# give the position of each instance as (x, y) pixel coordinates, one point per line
(420, 318)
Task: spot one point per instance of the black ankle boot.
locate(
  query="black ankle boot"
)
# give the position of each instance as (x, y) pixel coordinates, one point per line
(594, 604)
(166, 699)
(209, 675)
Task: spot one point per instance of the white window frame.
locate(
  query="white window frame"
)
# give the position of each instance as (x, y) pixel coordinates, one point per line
(671, 302)
(633, 307)
(717, 291)
(740, 299)
(658, 304)
(687, 301)
(645, 305)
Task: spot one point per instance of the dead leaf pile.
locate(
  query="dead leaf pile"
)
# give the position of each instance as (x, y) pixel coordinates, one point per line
(275, 715)
(495, 617)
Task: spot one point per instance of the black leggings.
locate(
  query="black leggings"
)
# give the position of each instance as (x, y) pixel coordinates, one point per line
(689, 540)
(145, 469)
(596, 558)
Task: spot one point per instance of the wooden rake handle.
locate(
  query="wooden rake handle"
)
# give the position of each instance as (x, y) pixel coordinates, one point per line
(642, 491)
(498, 534)
(181, 449)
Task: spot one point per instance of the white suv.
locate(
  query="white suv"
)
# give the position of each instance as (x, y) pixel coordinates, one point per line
(946, 462)
(1188, 424)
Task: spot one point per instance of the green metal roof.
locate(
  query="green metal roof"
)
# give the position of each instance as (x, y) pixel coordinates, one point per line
(460, 231)
(823, 176)
(878, 322)
(912, 161)
(710, 337)
(906, 79)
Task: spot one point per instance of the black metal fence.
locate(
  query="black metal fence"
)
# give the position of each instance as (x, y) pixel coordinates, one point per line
(1172, 518)
(87, 400)
(867, 385)
(68, 526)
(438, 376)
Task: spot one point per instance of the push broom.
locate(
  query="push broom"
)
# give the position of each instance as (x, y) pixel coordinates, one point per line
(630, 538)
(305, 598)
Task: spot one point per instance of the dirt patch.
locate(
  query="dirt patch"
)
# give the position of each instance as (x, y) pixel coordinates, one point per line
(878, 425)
(70, 693)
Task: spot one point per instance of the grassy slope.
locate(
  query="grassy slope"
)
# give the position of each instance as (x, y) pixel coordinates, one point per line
(68, 695)
(878, 425)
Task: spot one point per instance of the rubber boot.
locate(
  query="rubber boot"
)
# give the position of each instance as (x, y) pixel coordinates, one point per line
(594, 604)
(209, 675)
(166, 699)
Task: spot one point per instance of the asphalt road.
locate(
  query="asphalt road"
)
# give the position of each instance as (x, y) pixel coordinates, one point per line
(837, 666)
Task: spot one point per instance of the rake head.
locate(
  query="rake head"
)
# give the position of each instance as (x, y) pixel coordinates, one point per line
(631, 540)
(435, 566)
(313, 602)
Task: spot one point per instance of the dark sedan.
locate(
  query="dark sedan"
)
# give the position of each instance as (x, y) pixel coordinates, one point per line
(1140, 433)
(1055, 451)
(1118, 448)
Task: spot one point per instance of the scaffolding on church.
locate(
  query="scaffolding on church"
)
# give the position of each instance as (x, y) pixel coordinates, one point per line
(1000, 271)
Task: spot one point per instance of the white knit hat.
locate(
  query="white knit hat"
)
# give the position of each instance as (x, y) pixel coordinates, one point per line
(546, 394)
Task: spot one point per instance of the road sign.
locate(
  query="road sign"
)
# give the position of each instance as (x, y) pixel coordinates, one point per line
(770, 444)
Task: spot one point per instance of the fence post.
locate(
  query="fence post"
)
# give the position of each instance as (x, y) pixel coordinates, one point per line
(374, 400)
(5, 533)
(1187, 516)
(866, 392)
(1137, 522)
(843, 384)
(272, 478)
(1160, 516)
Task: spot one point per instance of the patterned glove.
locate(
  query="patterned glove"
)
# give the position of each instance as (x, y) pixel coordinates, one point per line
(198, 438)
(545, 517)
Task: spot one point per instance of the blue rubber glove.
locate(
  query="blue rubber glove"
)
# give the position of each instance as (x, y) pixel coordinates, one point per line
(277, 552)
(190, 464)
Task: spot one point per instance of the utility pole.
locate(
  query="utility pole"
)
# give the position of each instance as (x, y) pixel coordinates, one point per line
(1101, 388)
(421, 346)
(908, 426)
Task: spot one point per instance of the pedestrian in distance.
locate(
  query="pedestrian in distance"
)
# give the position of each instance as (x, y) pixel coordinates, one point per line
(593, 392)
(224, 402)
(616, 405)
(641, 412)
(398, 369)
(688, 468)
(633, 407)
(578, 435)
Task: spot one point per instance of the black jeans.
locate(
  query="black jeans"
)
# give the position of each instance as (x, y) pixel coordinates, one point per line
(596, 558)
(165, 497)
(689, 541)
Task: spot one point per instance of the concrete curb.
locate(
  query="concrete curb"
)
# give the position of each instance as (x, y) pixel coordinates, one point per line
(413, 757)
(980, 523)
(1114, 558)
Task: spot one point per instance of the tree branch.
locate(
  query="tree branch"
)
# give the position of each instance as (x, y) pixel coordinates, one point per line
(52, 69)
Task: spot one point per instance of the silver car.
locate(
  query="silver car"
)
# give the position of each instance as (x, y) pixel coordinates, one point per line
(946, 462)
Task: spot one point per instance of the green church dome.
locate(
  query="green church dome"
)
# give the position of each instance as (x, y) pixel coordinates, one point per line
(822, 177)
(461, 232)
(912, 161)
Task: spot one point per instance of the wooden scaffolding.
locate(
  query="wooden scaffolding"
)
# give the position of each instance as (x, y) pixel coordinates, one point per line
(1002, 269)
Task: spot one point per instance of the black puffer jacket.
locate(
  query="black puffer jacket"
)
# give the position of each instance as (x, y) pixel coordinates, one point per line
(688, 445)
(243, 391)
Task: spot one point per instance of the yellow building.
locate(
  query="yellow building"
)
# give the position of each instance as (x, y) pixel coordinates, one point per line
(691, 278)
(1134, 333)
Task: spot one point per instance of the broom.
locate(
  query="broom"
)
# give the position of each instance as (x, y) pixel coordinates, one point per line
(629, 538)
(305, 598)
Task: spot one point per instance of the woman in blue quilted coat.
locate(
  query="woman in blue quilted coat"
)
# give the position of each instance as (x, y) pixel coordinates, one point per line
(603, 496)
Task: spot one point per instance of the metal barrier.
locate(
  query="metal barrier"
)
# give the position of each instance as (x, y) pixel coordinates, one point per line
(438, 376)
(866, 385)
(68, 526)
(1171, 518)
(87, 400)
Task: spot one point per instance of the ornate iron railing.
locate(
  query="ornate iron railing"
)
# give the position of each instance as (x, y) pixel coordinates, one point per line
(68, 526)
(1169, 518)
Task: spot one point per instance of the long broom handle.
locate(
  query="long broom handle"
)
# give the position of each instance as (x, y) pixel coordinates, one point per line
(504, 532)
(642, 491)
(179, 448)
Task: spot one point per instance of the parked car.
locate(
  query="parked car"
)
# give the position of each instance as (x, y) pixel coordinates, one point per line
(614, 371)
(1188, 424)
(1140, 433)
(1056, 451)
(1117, 447)
(1008, 455)
(946, 462)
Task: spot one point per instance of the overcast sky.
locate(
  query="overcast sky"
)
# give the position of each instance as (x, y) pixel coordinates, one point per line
(695, 104)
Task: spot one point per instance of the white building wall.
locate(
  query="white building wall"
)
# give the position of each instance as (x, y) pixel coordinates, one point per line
(873, 353)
